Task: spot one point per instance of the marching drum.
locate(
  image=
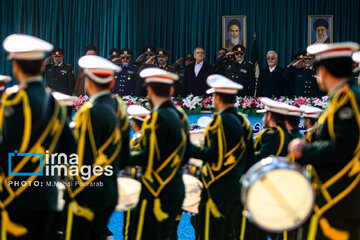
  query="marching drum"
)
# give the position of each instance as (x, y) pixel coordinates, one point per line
(277, 194)
(129, 193)
(193, 188)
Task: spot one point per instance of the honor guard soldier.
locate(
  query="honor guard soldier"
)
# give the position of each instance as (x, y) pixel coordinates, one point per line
(3, 80)
(149, 53)
(33, 124)
(59, 75)
(334, 154)
(310, 116)
(163, 152)
(300, 76)
(101, 128)
(125, 78)
(114, 56)
(223, 155)
(137, 115)
(239, 70)
(292, 121)
(274, 139)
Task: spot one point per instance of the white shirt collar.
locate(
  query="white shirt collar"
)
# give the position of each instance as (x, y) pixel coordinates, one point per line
(271, 69)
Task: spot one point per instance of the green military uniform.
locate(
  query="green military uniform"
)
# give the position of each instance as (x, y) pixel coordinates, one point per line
(163, 151)
(335, 152)
(243, 73)
(102, 132)
(295, 133)
(60, 77)
(223, 154)
(32, 121)
(272, 141)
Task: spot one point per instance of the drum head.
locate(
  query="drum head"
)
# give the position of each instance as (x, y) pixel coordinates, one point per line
(197, 136)
(193, 188)
(129, 193)
(277, 195)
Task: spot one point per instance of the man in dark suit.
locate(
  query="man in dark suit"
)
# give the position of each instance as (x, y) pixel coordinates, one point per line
(271, 82)
(196, 74)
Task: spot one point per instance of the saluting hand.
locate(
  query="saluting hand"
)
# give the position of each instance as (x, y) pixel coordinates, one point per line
(298, 63)
(179, 61)
(150, 59)
(47, 61)
(140, 58)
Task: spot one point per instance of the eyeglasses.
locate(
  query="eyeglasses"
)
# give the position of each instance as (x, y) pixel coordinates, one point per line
(125, 58)
(239, 53)
(270, 58)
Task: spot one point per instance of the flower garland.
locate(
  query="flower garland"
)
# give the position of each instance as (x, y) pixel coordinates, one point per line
(197, 104)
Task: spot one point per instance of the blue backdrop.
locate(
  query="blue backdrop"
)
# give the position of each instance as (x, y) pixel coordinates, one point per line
(178, 25)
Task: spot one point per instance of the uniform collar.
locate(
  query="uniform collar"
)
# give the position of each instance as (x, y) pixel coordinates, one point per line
(336, 88)
(59, 65)
(229, 109)
(100, 94)
(162, 105)
(33, 80)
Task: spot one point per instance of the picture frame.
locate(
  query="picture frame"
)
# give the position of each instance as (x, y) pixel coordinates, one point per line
(320, 29)
(232, 26)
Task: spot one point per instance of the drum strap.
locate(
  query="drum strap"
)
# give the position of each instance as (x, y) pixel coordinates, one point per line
(47, 140)
(156, 179)
(346, 179)
(103, 156)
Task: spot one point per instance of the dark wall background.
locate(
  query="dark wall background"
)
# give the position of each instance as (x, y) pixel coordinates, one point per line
(177, 25)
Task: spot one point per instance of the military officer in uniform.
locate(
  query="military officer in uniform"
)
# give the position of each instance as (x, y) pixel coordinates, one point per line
(149, 53)
(125, 79)
(292, 121)
(188, 59)
(114, 56)
(100, 128)
(300, 77)
(32, 122)
(239, 70)
(310, 116)
(224, 154)
(162, 62)
(274, 139)
(162, 154)
(59, 75)
(334, 153)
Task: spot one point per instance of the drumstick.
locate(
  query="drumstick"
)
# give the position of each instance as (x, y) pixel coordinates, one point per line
(279, 197)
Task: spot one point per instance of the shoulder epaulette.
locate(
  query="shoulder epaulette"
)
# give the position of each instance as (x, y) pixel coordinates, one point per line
(270, 130)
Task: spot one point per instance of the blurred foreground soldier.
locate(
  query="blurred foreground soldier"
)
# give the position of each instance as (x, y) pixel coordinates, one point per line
(334, 154)
(79, 88)
(300, 77)
(240, 71)
(274, 139)
(101, 126)
(163, 151)
(125, 79)
(3, 80)
(137, 115)
(224, 157)
(149, 53)
(292, 121)
(31, 122)
(59, 75)
(310, 117)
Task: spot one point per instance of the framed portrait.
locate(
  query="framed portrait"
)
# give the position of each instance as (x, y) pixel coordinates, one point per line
(320, 29)
(233, 31)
